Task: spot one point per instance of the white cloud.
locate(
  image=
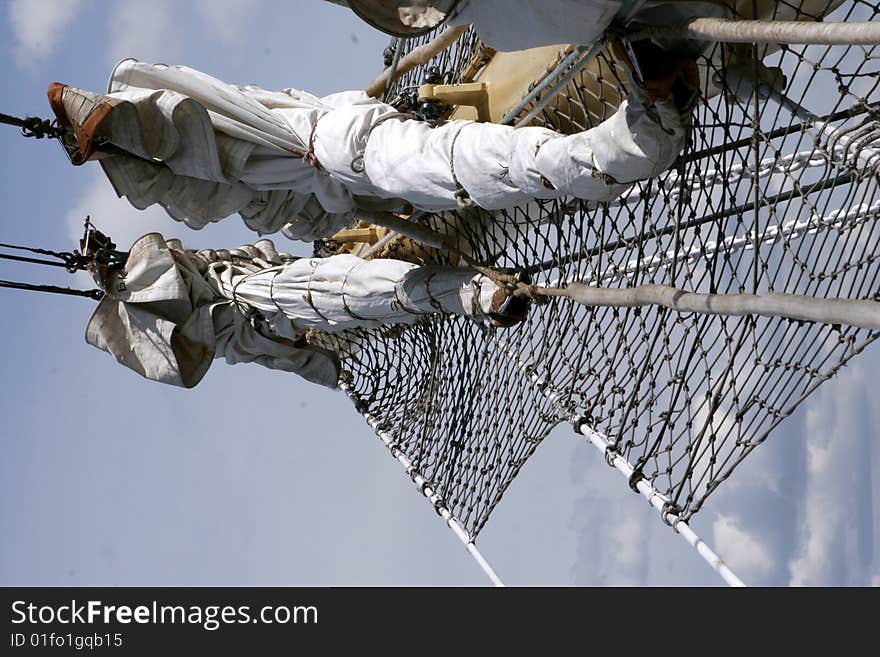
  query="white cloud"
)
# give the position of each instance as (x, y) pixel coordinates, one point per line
(145, 30)
(629, 546)
(613, 549)
(38, 26)
(837, 531)
(228, 20)
(800, 510)
(614, 528)
(745, 553)
(115, 216)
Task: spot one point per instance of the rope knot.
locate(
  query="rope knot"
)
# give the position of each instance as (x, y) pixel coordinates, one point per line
(38, 128)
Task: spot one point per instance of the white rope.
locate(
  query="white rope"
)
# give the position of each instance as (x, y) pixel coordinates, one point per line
(840, 219)
(425, 487)
(840, 153)
(659, 502)
(655, 498)
(865, 155)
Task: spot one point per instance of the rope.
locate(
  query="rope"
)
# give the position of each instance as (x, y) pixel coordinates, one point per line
(469, 415)
(100, 250)
(70, 261)
(63, 255)
(668, 512)
(33, 126)
(36, 261)
(397, 45)
(95, 294)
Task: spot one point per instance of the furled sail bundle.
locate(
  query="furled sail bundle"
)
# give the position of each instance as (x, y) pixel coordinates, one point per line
(288, 161)
(167, 312)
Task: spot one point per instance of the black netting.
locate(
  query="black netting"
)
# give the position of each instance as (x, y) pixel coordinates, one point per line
(761, 200)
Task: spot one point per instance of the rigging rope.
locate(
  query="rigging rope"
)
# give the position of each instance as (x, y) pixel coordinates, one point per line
(71, 261)
(95, 294)
(36, 261)
(34, 126)
(99, 252)
(761, 202)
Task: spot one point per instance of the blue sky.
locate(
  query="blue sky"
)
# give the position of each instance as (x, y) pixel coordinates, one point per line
(257, 477)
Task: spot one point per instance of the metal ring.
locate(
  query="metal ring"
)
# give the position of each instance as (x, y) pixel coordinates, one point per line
(669, 507)
(634, 479)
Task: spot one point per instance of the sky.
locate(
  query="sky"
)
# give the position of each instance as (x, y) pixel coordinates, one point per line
(257, 477)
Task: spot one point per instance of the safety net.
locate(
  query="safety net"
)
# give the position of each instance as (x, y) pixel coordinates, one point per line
(776, 191)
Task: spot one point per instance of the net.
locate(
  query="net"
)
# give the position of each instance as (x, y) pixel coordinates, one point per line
(770, 195)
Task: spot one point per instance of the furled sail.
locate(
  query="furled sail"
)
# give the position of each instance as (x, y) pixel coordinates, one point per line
(169, 312)
(288, 161)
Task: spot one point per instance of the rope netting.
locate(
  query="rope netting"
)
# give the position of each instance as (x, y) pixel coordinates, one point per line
(772, 194)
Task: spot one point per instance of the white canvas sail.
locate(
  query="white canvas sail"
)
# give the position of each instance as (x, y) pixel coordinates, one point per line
(170, 311)
(204, 150)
